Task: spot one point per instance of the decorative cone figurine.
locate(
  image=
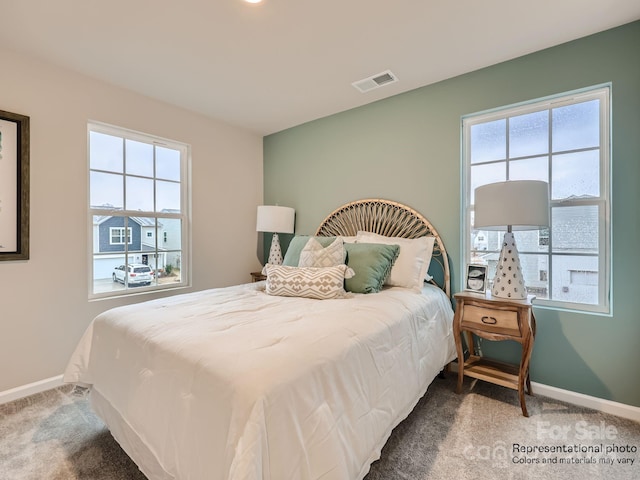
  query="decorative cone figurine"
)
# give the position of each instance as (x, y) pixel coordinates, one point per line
(275, 252)
(509, 282)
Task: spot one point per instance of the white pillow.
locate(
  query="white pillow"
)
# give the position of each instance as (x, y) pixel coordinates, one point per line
(309, 282)
(410, 268)
(313, 254)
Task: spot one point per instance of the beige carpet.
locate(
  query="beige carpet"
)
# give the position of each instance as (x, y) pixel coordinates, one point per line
(475, 435)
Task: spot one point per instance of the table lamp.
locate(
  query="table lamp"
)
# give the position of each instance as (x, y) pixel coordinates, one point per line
(275, 219)
(511, 205)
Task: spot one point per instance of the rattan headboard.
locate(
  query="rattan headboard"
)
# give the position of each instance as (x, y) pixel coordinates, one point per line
(391, 219)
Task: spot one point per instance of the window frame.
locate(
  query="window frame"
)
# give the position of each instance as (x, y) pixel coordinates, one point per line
(183, 216)
(122, 235)
(601, 92)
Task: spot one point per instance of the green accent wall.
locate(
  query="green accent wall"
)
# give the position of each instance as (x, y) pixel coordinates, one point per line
(407, 148)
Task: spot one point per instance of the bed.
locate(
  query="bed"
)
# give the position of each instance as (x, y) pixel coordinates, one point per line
(238, 384)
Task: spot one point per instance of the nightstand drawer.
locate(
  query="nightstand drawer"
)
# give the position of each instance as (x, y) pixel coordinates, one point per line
(491, 320)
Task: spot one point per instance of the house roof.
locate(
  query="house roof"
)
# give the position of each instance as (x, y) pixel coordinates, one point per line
(271, 66)
(142, 221)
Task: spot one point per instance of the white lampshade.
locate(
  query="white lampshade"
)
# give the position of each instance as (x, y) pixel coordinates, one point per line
(272, 218)
(511, 205)
(519, 204)
(276, 219)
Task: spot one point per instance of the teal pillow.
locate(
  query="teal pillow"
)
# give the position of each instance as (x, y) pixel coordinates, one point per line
(292, 257)
(371, 263)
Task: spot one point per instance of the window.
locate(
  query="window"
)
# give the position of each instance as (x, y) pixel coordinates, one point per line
(117, 235)
(138, 192)
(564, 141)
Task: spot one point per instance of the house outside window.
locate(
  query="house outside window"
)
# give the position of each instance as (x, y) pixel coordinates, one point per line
(138, 191)
(562, 140)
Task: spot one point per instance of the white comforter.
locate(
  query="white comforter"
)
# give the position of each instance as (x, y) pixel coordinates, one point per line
(233, 384)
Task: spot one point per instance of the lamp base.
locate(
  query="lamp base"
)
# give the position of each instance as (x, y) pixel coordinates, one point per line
(275, 252)
(509, 281)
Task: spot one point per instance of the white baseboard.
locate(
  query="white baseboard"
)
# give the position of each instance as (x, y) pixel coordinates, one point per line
(30, 389)
(582, 400)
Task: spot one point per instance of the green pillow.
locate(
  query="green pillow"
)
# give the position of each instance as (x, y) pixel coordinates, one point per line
(371, 263)
(292, 257)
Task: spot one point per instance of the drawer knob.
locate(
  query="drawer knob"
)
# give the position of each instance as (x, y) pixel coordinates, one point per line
(489, 320)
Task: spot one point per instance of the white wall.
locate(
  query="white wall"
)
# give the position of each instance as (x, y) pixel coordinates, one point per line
(43, 301)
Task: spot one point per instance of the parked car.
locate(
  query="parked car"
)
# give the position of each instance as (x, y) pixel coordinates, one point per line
(138, 274)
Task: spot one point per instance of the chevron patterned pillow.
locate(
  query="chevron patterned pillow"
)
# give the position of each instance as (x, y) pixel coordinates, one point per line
(310, 282)
(315, 255)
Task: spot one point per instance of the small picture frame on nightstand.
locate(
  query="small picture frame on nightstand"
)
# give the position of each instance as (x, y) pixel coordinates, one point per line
(476, 278)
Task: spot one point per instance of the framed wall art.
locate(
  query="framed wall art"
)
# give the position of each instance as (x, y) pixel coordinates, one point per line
(14, 186)
(476, 278)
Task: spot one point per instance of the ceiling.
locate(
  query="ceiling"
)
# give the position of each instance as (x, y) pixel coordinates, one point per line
(278, 64)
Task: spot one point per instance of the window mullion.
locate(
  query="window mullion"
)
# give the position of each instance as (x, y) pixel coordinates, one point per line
(550, 177)
(507, 149)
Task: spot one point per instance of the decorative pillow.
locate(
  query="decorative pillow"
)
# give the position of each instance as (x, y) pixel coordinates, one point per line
(410, 269)
(371, 264)
(315, 255)
(292, 256)
(309, 282)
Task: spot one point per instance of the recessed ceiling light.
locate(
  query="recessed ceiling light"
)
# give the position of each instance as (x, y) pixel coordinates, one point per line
(253, 1)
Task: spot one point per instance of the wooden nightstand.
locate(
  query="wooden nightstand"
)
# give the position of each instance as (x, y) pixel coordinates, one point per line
(495, 318)
(257, 276)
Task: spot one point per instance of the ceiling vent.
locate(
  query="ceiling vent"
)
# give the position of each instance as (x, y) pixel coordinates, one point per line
(375, 81)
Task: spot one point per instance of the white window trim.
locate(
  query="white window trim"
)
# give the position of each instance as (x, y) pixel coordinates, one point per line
(185, 214)
(122, 242)
(603, 93)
